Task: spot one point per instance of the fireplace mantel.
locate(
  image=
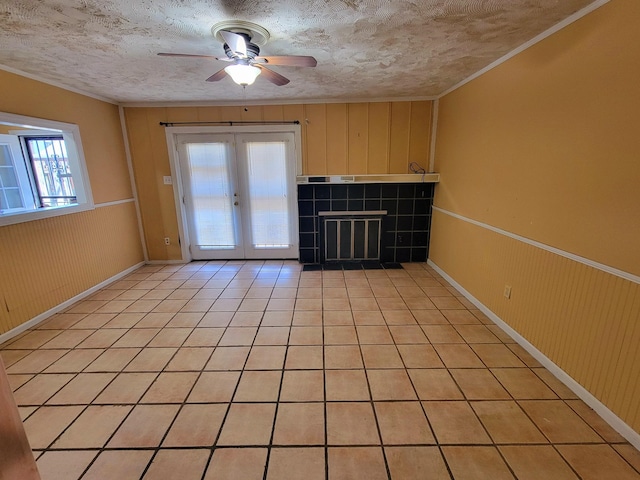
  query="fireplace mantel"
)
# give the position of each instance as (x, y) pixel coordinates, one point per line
(386, 178)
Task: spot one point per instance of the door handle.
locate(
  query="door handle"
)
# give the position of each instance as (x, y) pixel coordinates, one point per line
(235, 203)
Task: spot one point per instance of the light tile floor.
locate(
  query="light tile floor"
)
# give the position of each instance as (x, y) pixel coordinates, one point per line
(257, 370)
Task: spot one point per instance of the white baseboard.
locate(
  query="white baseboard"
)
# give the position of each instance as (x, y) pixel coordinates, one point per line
(611, 418)
(66, 304)
(166, 262)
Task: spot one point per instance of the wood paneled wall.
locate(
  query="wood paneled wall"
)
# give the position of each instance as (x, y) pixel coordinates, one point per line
(44, 263)
(585, 320)
(337, 138)
(545, 147)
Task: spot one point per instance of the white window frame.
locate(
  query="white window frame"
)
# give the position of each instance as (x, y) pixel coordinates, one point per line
(71, 135)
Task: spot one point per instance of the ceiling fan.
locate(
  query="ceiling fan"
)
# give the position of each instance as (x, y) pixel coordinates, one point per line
(241, 40)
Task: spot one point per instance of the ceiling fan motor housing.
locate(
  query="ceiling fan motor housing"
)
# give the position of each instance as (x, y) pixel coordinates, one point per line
(252, 49)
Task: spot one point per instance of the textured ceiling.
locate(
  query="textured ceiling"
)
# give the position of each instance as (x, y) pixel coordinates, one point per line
(365, 48)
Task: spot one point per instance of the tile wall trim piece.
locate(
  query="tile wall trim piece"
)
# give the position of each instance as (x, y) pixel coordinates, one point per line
(66, 304)
(611, 418)
(576, 258)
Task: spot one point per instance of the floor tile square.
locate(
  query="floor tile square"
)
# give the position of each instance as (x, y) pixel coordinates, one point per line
(64, 464)
(151, 360)
(82, 389)
(272, 336)
(40, 388)
(537, 462)
(597, 462)
(374, 334)
(304, 358)
(302, 386)
(345, 385)
(368, 317)
(351, 424)
(342, 356)
(381, 356)
(306, 336)
(113, 360)
(228, 358)
(434, 384)
(458, 356)
(258, 386)
(296, 463)
(409, 463)
(266, 358)
(183, 464)
(299, 424)
(337, 318)
(214, 387)
(522, 383)
(429, 317)
(356, 462)
(196, 425)
(420, 356)
(507, 423)
(237, 463)
(408, 334)
(340, 336)
(236, 336)
(442, 334)
(126, 388)
(248, 424)
(246, 319)
(46, 423)
(390, 384)
(558, 422)
(403, 423)
(479, 384)
(476, 463)
(455, 423)
(119, 464)
(144, 427)
(495, 355)
(189, 359)
(310, 318)
(93, 427)
(170, 387)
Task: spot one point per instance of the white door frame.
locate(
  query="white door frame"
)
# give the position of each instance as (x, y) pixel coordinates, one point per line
(178, 191)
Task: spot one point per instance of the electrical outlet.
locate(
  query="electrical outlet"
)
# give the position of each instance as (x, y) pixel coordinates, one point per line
(507, 291)
(167, 180)
(167, 241)
(400, 239)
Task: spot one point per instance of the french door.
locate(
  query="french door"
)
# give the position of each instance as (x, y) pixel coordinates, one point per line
(239, 194)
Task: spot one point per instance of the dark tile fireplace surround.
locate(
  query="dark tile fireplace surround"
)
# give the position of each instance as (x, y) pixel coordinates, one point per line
(405, 228)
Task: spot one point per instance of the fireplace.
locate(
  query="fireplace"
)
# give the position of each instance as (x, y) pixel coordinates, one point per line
(401, 212)
(351, 235)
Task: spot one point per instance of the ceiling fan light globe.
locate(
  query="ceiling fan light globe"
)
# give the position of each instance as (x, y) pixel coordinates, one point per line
(243, 74)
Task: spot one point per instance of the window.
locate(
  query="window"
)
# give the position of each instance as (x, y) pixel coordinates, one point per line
(42, 171)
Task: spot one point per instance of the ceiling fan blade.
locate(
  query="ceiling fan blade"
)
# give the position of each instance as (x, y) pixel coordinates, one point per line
(289, 60)
(235, 42)
(187, 55)
(219, 75)
(272, 76)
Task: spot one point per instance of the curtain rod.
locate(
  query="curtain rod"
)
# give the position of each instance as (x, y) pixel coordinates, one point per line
(229, 123)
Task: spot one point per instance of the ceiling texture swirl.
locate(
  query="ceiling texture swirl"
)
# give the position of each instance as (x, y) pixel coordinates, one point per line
(366, 49)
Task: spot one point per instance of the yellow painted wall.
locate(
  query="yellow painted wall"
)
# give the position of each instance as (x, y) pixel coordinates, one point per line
(545, 146)
(358, 138)
(46, 262)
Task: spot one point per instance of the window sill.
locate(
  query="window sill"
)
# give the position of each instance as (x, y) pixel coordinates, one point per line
(42, 213)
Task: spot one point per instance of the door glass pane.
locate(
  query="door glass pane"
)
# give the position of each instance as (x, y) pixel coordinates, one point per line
(212, 196)
(267, 188)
